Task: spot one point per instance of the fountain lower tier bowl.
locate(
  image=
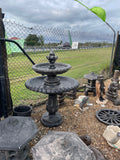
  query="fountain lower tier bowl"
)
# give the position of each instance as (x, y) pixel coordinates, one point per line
(43, 68)
(37, 84)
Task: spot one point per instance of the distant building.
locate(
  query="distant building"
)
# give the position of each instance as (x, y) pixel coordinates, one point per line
(14, 38)
(66, 45)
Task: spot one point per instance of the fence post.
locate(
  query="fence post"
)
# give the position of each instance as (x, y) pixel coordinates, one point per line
(116, 58)
(6, 106)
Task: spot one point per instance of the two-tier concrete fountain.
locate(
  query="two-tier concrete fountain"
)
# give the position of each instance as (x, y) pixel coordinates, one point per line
(51, 85)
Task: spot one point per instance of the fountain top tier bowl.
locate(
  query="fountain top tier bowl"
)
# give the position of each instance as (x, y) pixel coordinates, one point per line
(51, 67)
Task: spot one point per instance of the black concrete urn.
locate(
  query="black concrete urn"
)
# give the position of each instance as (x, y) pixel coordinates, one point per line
(51, 85)
(22, 111)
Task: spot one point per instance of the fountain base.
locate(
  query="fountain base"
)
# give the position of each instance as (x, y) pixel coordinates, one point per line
(51, 120)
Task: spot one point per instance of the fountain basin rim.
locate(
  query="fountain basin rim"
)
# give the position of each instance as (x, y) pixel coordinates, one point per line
(66, 84)
(43, 68)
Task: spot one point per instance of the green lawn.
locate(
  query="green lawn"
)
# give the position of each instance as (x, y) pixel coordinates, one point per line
(82, 61)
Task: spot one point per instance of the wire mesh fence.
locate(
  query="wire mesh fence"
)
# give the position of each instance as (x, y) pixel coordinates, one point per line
(37, 41)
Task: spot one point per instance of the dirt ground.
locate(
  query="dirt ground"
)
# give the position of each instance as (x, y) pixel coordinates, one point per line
(80, 122)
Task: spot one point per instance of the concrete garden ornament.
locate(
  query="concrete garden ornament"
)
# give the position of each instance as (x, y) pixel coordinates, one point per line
(100, 90)
(112, 136)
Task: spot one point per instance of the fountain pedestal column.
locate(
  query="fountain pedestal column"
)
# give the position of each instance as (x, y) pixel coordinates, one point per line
(52, 118)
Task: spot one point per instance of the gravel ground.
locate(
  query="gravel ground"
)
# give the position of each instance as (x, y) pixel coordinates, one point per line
(80, 122)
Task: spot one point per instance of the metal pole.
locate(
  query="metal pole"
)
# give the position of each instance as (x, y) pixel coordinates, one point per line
(9, 40)
(5, 95)
(112, 47)
(3, 103)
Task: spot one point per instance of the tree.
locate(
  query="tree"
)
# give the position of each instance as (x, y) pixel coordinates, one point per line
(61, 42)
(41, 40)
(31, 40)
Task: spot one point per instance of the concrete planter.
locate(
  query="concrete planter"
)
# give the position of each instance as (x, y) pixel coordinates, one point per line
(22, 111)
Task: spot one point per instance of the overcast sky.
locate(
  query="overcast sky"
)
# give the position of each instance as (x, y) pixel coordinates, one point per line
(65, 13)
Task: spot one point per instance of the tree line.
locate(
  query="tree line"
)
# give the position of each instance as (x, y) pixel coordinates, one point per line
(94, 44)
(34, 40)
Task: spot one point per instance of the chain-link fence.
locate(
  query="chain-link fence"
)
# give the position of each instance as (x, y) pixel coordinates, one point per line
(37, 41)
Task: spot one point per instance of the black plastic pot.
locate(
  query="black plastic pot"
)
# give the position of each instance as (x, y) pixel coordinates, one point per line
(22, 111)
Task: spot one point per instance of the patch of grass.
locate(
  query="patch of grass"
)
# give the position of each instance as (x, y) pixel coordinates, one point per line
(20, 92)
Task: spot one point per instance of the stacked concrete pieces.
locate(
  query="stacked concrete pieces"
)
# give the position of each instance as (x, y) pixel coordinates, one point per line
(90, 87)
(116, 77)
(63, 146)
(112, 92)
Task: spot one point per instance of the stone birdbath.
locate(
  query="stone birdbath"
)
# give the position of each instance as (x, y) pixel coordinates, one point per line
(51, 85)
